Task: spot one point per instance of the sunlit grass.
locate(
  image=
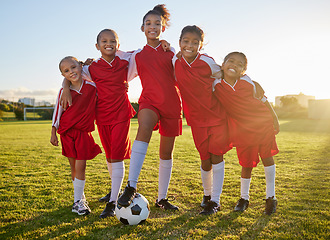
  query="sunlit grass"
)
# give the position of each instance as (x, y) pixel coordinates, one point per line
(36, 192)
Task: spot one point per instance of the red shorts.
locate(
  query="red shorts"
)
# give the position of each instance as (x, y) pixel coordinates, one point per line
(79, 145)
(213, 139)
(249, 156)
(168, 127)
(115, 140)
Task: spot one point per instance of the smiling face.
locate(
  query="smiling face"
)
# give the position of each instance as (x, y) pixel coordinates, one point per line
(152, 27)
(71, 70)
(107, 44)
(190, 44)
(234, 66)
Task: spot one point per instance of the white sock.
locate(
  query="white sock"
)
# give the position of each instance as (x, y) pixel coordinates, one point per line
(109, 168)
(218, 177)
(165, 171)
(78, 187)
(245, 188)
(207, 181)
(139, 151)
(118, 172)
(270, 181)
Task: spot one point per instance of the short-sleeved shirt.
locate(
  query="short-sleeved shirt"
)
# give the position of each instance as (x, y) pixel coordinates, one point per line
(155, 69)
(250, 121)
(113, 105)
(81, 114)
(194, 79)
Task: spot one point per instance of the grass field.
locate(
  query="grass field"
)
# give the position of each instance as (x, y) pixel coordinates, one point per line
(36, 192)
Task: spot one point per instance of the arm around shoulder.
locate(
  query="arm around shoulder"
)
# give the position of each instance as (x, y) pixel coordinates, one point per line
(275, 118)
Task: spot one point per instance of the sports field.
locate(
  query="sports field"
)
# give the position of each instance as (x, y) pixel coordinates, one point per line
(36, 192)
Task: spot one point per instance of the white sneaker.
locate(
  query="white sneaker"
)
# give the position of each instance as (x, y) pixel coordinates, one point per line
(81, 207)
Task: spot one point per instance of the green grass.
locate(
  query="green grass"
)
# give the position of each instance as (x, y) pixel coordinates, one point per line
(36, 192)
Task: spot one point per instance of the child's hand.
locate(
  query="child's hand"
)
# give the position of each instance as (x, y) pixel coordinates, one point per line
(126, 86)
(276, 126)
(259, 91)
(179, 55)
(66, 98)
(88, 61)
(165, 45)
(54, 140)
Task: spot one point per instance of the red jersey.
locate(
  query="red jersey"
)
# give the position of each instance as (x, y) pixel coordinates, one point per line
(200, 106)
(81, 114)
(113, 105)
(155, 69)
(250, 120)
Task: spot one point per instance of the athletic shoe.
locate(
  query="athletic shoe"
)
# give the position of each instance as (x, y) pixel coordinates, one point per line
(270, 207)
(75, 207)
(241, 205)
(109, 210)
(127, 197)
(164, 204)
(81, 207)
(210, 208)
(205, 200)
(106, 198)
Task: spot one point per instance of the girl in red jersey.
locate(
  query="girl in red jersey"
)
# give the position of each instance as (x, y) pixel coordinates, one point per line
(75, 126)
(159, 106)
(252, 127)
(113, 110)
(194, 73)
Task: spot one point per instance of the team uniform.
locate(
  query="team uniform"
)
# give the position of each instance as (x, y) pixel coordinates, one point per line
(250, 122)
(77, 122)
(113, 109)
(202, 110)
(159, 90)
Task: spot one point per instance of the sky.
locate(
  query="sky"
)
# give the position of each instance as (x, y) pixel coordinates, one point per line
(287, 42)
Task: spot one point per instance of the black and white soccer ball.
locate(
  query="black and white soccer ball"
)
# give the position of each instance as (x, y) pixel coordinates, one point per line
(134, 214)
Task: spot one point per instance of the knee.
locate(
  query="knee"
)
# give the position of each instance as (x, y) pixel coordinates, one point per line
(206, 165)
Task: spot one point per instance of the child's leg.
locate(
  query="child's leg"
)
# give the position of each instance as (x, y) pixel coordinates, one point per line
(72, 162)
(206, 175)
(117, 176)
(218, 166)
(79, 182)
(269, 167)
(147, 120)
(245, 182)
(165, 165)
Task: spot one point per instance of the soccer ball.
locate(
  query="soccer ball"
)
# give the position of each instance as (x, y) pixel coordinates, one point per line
(135, 213)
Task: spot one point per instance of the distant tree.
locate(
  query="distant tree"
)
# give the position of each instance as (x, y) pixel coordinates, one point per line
(46, 114)
(4, 107)
(1, 115)
(11, 107)
(289, 102)
(19, 114)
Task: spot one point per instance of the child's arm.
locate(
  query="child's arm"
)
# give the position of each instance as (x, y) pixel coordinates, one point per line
(53, 138)
(275, 118)
(259, 90)
(165, 45)
(66, 95)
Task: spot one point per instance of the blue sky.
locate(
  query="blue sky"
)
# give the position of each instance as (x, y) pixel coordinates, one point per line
(286, 41)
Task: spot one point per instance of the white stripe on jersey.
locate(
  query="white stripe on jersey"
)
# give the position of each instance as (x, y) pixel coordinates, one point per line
(215, 68)
(58, 110)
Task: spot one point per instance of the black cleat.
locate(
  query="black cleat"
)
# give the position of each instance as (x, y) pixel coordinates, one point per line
(109, 210)
(205, 200)
(210, 208)
(106, 198)
(164, 204)
(127, 197)
(241, 205)
(271, 204)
